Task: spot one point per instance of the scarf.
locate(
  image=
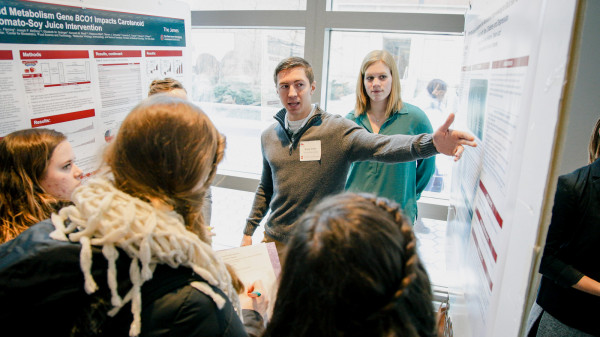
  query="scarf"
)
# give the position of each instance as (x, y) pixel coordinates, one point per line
(104, 216)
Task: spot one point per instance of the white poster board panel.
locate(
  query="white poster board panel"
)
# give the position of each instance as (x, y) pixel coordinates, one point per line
(547, 94)
(79, 67)
(501, 105)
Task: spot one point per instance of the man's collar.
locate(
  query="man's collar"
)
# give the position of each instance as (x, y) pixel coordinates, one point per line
(312, 112)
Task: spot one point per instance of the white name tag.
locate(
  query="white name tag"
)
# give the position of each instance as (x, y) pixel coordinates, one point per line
(310, 151)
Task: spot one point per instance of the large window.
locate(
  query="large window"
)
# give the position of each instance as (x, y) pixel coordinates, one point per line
(233, 81)
(233, 65)
(236, 45)
(233, 84)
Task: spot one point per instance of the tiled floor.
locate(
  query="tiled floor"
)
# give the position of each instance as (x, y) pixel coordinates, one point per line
(431, 236)
(231, 207)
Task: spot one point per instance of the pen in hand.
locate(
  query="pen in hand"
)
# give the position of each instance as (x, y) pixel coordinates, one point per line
(255, 298)
(254, 294)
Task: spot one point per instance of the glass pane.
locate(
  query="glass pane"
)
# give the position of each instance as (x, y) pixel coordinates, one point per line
(228, 225)
(405, 6)
(240, 5)
(228, 222)
(233, 84)
(420, 59)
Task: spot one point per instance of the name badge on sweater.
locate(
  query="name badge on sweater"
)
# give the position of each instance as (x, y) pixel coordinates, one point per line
(310, 150)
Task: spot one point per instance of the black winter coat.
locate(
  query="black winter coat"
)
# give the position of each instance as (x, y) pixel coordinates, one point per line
(42, 293)
(572, 250)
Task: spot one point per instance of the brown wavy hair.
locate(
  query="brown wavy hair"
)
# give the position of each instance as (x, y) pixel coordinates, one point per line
(352, 269)
(594, 146)
(167, 149)
(24, 159)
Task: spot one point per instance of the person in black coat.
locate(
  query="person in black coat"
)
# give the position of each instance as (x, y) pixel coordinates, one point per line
(130, 256)
(569, 292)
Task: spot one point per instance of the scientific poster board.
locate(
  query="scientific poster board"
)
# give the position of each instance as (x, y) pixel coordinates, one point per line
(513, 74)
(80, 66)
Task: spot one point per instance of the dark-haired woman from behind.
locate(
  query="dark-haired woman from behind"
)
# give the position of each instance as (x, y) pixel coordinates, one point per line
(352, 269)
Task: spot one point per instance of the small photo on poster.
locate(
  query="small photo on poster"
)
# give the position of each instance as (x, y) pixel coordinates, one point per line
(476, 106)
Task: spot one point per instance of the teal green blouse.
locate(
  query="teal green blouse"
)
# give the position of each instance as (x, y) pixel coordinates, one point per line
(401, 182)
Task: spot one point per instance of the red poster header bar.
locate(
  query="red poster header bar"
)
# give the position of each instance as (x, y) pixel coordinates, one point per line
(65, 84)
(6, 55)
(31, 75)
(487, 236)
(117, 64)
(72, 116)
(511, 63)
(53, 54)
(117, 53)
(163, 53)
(488, 198)
(479, 66)
(485, 268)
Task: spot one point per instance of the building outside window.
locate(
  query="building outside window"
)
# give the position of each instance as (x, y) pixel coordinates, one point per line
(233, 83)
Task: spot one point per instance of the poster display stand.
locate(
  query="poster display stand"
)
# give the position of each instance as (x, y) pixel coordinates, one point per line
(513, 73)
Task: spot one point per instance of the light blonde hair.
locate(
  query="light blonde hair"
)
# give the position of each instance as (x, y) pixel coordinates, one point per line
(363, 102)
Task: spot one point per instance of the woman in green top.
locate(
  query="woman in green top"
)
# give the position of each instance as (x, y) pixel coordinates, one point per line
(379, 109)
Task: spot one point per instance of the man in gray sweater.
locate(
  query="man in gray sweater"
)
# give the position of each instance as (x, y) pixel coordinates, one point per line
(307, 153)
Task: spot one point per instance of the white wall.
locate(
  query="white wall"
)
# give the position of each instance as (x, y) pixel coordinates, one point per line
(584, 109)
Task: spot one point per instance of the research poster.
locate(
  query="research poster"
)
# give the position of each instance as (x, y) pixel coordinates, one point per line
(79, 69)
(500, 65)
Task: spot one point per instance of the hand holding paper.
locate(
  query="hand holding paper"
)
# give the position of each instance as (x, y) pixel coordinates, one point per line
(257, 266)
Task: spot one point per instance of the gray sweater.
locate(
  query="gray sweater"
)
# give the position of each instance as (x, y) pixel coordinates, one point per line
(288, 186)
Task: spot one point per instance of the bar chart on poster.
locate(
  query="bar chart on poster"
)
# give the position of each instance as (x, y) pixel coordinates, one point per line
(513, 71)
(80, 69)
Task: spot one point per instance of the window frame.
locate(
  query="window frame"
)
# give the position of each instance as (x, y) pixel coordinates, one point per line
(318, 22)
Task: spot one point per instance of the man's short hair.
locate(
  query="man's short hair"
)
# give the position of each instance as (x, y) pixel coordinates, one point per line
(293, 62)
(164, 85)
